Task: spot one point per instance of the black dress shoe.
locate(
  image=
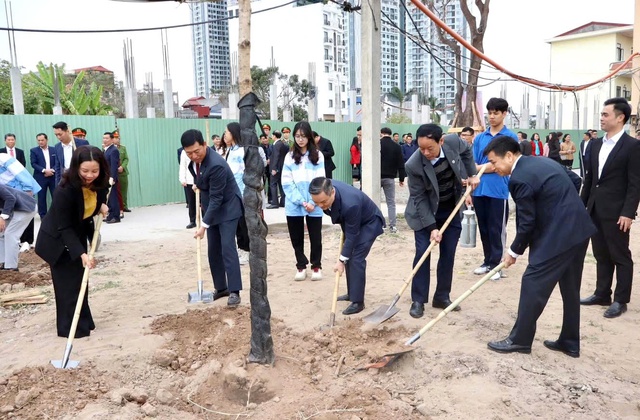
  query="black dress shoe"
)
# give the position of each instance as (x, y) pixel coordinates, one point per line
(343, 298)
(443, 304)
(615, 310)
(191, 225)
(110, 221)
(354, 308)
(272, 207)
(126, 211)
(595, 300)
(556, 346)
(417, 310)
(220, 294)
(507, 346)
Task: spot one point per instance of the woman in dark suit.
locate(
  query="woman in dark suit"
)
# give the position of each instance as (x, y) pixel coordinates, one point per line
(67, 229)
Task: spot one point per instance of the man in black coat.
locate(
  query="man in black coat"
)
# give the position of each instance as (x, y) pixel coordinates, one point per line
(611, 192)
(583, 155)
(43, 161)
(12, 150)
(391, 166)
(279, 150)
(325, 146)
(221, 204)
(361, 222)
(112, 155)
(557, 244)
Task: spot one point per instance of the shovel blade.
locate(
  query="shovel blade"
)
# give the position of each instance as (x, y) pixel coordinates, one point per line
(196, 297)
(71, 364)
(381, 314)
(387, 359)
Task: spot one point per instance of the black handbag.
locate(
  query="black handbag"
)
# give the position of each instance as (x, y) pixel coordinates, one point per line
(355, 172)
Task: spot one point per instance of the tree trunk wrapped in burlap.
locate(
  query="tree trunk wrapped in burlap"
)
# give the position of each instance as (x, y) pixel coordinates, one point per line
(261, 340)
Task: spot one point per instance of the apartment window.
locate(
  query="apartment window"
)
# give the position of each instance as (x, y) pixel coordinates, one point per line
(326, 68)
(326, 53)
(343, 105)
(619, 54)
(330, 86)
(326, 36)
(342, 88)
(330, 103)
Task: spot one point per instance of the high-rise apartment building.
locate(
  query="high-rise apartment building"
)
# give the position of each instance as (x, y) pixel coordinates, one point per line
(212, 70)
(391, 55)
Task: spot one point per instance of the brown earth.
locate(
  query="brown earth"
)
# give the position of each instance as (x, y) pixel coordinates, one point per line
(153, 355)
(33, 272)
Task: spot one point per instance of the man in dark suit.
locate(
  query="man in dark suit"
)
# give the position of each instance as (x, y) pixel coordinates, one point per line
(64, 148)
(279, 151)
(12, 150)
(583, 155)
(325, 146)
(435, 186)
(611, 193)
(361, 222)
(266, 148)
(525, 145)
(112, 156)
(391, 166)
(43, 161)
(221, 203)
(17, 209)
(557, 244)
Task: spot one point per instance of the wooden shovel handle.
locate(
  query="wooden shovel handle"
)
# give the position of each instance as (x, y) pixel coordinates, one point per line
(198, 239)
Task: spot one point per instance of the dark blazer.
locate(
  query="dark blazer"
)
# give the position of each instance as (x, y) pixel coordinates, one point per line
(617, 192)
(15, 200)
(359, 217)
(526, 148)
(409, 149)
(391, 160)
(112, 155)
(63, 227)
(583, 156)
(424, 193)
(219, 192)
(19, 155)
(59, 160)
(180, 149)
(279, 151)
(325, 146)
(38, 163)
(550, 217)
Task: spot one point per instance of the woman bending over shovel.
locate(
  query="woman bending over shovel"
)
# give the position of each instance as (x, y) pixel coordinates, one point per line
(66, 230)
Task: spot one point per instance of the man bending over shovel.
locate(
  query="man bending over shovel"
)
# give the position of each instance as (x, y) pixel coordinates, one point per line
(435, 186)
(557, 245)
(361, 222)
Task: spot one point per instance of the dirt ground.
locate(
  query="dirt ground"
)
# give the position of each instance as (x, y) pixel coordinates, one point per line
(153, 355)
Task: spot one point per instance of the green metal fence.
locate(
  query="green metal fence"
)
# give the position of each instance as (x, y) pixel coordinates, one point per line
(152, 146)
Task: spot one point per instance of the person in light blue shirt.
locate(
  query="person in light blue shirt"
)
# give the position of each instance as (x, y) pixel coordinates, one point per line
(301, 165)
(490, 198)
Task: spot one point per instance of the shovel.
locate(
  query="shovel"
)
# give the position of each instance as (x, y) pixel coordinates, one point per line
(65, 363)
(455, 303)
(334, 303)
(200, 295)
(385, 312)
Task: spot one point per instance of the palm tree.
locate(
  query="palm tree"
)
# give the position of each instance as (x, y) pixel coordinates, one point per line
(400, 96)
(436, 107)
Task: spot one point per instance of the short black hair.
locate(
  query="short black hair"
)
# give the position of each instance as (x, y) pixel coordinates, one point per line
(501, 145)
(468, 130)
(42, 134)
(190, 137)
(409, 135)
(386, 131)
(320, 184)
(9, 135)
(61, 125)
(108, 133)
(396, 134)
(431, 131)
(524, 135)
(498, 104)
(359, 128)
(620, 106)
(315, 134)
(277, 134)
(263, 136)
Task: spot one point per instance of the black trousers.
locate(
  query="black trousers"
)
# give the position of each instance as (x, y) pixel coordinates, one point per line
(296, 234)
(113, 204)
(492, 214)
(67, 279)
(242, 234)
(191, 202)
(266, 180)
(275, 185)
(538, 281)
(450, 237)
(611, 250)
(356, 266)
(223, 256)
(28, 234)
(48, 183)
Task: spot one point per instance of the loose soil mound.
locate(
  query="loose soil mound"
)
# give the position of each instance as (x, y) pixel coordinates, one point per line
(33, 272)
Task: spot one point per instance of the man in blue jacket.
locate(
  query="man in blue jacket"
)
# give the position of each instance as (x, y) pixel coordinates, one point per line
(43, 161)
(361, 222)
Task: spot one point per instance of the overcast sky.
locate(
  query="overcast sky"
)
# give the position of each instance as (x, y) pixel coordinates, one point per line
(515, 38)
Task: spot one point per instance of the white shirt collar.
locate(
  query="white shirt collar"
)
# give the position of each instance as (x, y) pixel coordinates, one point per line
(614, 138)
(67, 146)
(513, 168)
(433, 162)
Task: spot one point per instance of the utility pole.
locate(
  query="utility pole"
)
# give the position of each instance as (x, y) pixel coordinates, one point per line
(635, 89)
(370, 147)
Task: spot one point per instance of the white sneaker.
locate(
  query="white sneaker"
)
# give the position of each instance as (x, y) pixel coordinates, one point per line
(393, 229)
(24, 247)
(243, 257)
(496, 276)
(316, 274)
(483, 269)
(300, 275)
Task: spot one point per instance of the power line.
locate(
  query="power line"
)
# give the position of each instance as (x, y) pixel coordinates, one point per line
(156, 28)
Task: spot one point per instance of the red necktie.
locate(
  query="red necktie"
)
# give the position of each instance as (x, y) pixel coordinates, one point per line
(12, 154)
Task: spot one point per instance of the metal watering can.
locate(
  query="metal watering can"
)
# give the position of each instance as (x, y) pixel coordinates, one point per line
(469, 224)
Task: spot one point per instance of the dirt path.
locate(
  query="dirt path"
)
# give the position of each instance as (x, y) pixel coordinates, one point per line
(154, 355)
